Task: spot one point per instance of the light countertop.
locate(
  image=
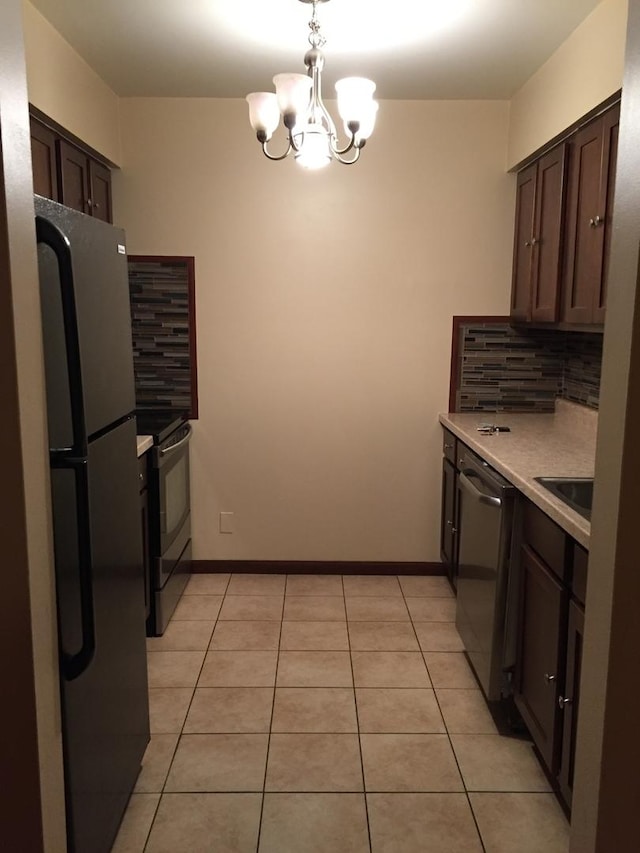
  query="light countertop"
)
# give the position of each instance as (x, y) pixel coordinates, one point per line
(144, 443)
(562, 444)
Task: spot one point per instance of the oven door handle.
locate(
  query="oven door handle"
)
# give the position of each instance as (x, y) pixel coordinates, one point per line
(178, 444)
(479, 496)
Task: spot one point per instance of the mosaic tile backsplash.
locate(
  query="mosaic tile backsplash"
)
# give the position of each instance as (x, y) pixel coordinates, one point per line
(159, 296)
(505, 369)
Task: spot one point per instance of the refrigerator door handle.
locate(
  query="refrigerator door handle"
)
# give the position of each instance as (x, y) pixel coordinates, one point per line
(50, 235)
(74, 665)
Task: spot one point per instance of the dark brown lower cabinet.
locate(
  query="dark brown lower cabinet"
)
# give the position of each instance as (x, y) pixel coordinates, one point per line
(569, 700)
(540, 655)
(553, 580)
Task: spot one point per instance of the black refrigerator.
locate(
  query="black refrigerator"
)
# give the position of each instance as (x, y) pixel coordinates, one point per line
(96, 517)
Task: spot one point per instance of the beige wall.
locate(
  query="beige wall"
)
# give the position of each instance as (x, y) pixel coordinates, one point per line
(585, 70)
(63, 86)
(324, 305)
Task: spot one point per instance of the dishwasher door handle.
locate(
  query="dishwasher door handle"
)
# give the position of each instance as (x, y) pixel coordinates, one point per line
(491, 500)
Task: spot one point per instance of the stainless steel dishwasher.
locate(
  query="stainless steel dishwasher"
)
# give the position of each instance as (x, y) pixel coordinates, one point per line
(485, 523)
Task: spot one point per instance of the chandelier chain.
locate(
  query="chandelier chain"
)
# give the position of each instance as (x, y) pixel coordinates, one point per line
(316, 39)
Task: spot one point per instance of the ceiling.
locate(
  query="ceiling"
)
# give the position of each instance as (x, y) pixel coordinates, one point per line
(227, 48)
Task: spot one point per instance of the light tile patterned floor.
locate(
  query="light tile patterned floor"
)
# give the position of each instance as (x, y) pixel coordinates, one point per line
(327, 714)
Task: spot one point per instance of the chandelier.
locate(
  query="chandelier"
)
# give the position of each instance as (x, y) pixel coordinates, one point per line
(312, 135)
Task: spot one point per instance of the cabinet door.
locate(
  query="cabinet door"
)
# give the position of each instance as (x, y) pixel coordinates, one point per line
(100, 191)
(611, 123)
(547, 236)
(74, 177)
(522, 248)
(43, 156)
(589, 209)
(447, 520)
(570, 701)
(540, 659)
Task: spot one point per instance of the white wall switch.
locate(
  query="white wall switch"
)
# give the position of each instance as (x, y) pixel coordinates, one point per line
(226, 522)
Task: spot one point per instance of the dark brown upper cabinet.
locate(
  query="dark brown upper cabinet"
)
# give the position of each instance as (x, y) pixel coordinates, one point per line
(85, 184)
(43, 156)
(100, 191)
(74, 177)
(68, 173)
(522, 255)
(589, 209)
(538, 239)
(564, 204)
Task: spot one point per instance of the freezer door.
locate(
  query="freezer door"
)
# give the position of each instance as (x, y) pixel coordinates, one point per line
(101, 296)
(104, 705)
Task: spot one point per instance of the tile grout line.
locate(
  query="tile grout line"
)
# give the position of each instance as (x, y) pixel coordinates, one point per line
(453, 752)
(355, 702)
(195, 687)
(273, 705)
(353, 686)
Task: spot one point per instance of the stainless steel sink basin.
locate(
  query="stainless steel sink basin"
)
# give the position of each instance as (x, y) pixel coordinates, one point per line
(576, 492)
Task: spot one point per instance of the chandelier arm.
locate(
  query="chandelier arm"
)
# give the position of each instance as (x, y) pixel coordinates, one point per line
(356, 157)
(275, 156)
(338, 152)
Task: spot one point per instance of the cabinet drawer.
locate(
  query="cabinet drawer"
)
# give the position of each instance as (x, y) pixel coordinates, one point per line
(579, 578)
(449, 446)
(142, 471)
(546, 539)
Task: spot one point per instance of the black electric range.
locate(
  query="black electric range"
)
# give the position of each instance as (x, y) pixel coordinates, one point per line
(169, 516)
(159, 423)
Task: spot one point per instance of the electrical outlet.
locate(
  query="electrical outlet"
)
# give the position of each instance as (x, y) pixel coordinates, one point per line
(226, 522)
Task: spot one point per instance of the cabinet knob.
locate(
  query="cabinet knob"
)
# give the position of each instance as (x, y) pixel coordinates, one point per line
(534, 242)
(599, 220)
(562, 702)
(448, 446)
(527, 243)
(549, 678)
(453, 529)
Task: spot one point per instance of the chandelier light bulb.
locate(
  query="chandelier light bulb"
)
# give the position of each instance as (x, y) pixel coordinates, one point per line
(312, 136)
(314, 152)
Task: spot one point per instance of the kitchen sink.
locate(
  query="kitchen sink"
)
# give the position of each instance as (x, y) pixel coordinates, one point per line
(576, 492)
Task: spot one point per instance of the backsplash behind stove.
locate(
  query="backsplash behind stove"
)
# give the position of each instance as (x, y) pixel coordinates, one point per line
(500, 368)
